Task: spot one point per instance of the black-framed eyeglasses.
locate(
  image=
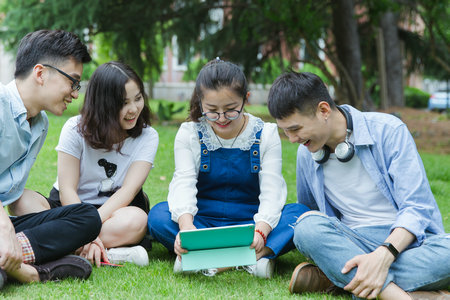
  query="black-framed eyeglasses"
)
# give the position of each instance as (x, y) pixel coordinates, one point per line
(231, 114)
(75, 83)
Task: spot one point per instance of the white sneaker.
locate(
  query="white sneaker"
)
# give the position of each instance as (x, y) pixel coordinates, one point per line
(136, 255)
(264, 268)
(177, 268)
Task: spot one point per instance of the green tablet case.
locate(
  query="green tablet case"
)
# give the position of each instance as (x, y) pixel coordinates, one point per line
(218, 247)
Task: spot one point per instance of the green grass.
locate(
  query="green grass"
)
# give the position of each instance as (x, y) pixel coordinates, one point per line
(157, 280)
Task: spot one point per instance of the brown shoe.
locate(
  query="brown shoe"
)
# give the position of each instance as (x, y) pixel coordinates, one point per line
(430, 295)
(68, 266)
(309, 278)
(2, 278)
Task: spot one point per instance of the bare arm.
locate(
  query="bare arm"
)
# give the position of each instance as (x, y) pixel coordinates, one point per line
(400, 238)
(10, 249)
(68, 178)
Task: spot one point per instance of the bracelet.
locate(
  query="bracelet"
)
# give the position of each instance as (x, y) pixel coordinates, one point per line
(391, 249)
(262, 235)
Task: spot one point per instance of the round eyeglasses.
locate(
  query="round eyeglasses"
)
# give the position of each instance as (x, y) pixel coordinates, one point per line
(75, 83)
(231, 114)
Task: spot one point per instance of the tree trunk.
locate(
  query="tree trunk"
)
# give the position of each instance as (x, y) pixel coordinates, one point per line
(393, 59)
(384, 102)
(150, 85)
(348, 51)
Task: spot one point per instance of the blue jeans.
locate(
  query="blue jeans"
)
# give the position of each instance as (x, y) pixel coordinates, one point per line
(164, 230)
(330, 244)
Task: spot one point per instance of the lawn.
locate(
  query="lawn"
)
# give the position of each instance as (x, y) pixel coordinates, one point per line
(157, 280)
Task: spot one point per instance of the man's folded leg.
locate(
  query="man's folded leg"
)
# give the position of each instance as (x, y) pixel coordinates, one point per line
(47, 238)
(57, 232)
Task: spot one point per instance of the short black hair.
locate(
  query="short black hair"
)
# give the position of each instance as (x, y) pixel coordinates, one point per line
(297, 92)
(215, 75)
(51, 47)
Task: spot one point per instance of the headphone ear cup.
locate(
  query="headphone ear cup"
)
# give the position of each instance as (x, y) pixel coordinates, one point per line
(344, 151)
(322, 155)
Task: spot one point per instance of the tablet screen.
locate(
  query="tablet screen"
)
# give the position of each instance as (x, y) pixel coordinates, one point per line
(218, 237)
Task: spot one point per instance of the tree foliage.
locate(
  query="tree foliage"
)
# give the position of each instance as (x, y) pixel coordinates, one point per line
(264, 36)
(132, 29)
(430, 51)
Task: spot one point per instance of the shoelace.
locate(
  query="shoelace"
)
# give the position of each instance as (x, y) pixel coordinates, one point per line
(209, 272)
(117, 256)
(250, 269)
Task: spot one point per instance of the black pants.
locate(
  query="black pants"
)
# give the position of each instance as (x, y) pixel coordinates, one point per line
(59, 231)
(140, 200)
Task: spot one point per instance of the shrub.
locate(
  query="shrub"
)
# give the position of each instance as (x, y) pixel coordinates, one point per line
(415, 97)
(193, 68)
(167, 110)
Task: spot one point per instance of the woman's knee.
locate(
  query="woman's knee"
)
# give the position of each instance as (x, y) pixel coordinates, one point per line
(140, 218)
(159, 210)
(296, 208)
(131, 218)
(159, 214)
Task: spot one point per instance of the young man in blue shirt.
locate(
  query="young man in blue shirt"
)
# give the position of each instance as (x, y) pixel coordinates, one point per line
(376, 230)
(34, 247)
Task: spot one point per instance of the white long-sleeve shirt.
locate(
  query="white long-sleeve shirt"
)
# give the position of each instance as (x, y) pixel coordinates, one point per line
(183, 191)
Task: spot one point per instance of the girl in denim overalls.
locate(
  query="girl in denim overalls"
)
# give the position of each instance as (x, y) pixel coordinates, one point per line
(227, 172)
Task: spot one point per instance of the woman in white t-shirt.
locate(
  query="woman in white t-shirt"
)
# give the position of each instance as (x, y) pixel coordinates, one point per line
(104, 157)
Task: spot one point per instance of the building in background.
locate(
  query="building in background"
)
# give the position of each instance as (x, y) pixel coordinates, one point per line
(6, 66)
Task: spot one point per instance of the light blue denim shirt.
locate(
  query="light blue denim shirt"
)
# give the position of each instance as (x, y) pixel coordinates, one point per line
(389, 154)
(19, 143)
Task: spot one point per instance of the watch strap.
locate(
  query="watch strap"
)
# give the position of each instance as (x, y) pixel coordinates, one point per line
(391, 249)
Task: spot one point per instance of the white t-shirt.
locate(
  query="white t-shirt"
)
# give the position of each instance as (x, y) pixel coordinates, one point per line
(182, 196)
(352, 191)
(104, 171)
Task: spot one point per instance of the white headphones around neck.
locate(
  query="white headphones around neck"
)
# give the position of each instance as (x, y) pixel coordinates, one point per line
(344, 151)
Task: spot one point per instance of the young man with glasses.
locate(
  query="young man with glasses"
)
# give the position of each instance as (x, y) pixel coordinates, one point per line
(75, 82)
(35, 247)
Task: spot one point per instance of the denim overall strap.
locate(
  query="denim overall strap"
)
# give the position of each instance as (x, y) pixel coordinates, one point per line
(227, 189)
(255, 160)
(205, 161)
